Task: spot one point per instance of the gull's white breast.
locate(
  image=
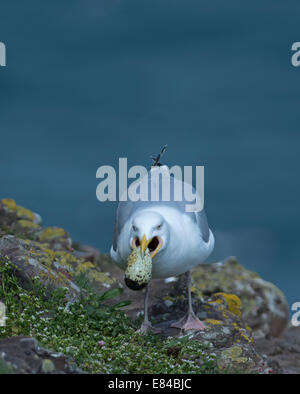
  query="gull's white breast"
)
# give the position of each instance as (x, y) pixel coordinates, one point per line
(185, 248)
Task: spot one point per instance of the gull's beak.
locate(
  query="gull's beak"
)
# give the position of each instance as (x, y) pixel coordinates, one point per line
(144, 243)
(156, 250)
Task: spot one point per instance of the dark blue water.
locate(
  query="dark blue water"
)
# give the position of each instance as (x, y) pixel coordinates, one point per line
(88, 82)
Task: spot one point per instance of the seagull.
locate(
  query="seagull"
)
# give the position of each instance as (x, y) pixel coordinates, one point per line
(175, 241)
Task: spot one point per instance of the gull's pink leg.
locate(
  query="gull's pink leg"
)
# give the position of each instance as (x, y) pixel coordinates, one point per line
(146, 325)
(190, 321)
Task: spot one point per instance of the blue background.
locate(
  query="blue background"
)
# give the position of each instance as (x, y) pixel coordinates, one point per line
(88, 82)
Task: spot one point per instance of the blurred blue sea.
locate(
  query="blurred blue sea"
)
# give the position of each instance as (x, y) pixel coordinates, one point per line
(88, 82)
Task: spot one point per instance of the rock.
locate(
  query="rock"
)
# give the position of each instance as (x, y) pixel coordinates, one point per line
(54, 269)
(47, 253)
(33, 260)
(57, 238)
(37, 219)
(17, 219)
(226, 337)
(23, 223)
(23, 355)
(48, 366)
(283, 354)
(85, 252)
(264, 307)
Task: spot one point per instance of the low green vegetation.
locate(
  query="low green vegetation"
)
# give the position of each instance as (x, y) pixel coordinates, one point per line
(4, 370)
(101, 339)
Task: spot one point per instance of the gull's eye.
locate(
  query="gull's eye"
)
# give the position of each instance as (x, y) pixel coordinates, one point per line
(134, 227)
(159, 227)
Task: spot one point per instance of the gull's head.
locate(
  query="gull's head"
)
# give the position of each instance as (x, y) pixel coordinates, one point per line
(149, 230)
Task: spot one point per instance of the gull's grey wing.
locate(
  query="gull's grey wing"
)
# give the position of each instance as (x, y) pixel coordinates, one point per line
(116, 233)
(202, 224)
(126, 208)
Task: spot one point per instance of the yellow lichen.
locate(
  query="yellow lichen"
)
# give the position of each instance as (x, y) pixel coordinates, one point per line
(233, 303)
(100, 277)
(245, 337)
(51, 276)
(21, 212)
(51, 233)
(24, 213)
(168, 298)
(28, 224)
(241, 332)
(67, 260)
(83, 267)
(234, 354)
(218, 301)
(50, 253)
(43, 258)
(213, 321)
(10, 204)
(46, 256)
(196, 290)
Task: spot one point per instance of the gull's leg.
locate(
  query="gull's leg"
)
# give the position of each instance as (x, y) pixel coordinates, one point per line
(190, 321)
(146, 325)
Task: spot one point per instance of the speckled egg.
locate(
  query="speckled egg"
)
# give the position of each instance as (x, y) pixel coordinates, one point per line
(139, 269)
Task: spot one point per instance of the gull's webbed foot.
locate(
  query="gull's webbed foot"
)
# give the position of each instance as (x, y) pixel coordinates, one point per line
(189, 322)
(146, 327)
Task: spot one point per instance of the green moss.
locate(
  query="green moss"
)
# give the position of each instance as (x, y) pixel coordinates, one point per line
(4, 369)
(101, 339)
(6, 230)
